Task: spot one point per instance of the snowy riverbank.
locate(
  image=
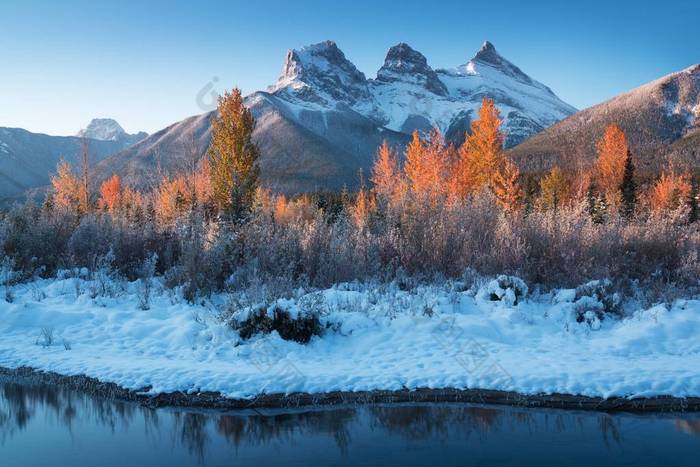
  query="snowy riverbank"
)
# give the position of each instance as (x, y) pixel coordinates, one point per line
(375, 338)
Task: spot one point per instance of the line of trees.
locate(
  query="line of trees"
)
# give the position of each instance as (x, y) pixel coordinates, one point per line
(437, 210)
(441, 173)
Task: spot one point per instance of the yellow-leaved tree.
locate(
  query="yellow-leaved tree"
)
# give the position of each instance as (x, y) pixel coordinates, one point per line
(506, 187)
(555, 189)
(233, 157)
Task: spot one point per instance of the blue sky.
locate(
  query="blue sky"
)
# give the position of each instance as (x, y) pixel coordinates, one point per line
(144, 63)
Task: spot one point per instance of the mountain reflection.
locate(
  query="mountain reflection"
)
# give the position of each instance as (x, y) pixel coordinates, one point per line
(23, 403)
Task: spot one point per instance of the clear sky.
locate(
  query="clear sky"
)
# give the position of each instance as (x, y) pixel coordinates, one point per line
(144, 63)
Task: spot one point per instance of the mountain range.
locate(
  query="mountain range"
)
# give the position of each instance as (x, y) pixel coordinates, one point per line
(322, 121)
(28, 159)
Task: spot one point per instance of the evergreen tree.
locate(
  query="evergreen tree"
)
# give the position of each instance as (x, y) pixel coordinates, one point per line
(597, 208)
(628, 188)
(233, 157)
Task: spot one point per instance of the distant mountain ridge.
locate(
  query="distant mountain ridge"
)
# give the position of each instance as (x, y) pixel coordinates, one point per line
(107, 129)
(661, 120)
(28, 159)
(322, 121)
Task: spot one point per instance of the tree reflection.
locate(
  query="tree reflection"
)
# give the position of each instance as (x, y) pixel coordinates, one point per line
(283, 427)
(193, 431)
(22, 401)
(691, 427)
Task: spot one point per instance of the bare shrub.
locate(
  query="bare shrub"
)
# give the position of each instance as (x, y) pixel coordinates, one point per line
(7, 278)
(46, 337)
(145, 282)
(300, 328)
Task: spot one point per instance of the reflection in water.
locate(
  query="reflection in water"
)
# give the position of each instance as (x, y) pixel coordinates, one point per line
(24, 405)
(692, 427)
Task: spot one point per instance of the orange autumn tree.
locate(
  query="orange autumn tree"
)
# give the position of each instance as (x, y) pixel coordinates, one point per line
(670, 192)
(386, 175)
(170, 199)
(414, 168)
(610, 166)
(361, 209)
(426, 166)
(110, 194)
(66, 187)
(481, 163)
(505, 186)
(481, 155)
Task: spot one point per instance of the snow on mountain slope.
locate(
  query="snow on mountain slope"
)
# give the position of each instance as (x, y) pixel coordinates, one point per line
(320, 77)
(408, 94)
(416, 97)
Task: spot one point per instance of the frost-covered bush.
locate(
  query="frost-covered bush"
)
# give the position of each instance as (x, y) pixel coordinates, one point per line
(299, 327)
(509, 290)
(590, 311)
(205, 259)
(7, 278)
(601, 292)
(316, 245)
(35, 240)
(103, 276)
(145, 281)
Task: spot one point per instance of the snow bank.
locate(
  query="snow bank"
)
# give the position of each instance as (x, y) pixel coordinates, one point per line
(375, 337)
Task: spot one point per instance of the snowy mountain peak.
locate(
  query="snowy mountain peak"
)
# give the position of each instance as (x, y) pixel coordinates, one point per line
(103, 129)
(321, 74)
(489, 56)
(407, 94)
(403, 63)
(107, 129)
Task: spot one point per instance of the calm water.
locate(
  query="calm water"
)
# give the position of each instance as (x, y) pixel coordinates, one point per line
(47, 426)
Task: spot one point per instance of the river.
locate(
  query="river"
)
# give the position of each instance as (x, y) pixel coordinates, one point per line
(45, 425)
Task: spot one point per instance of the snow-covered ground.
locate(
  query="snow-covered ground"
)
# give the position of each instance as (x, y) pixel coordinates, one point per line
(378, 337)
